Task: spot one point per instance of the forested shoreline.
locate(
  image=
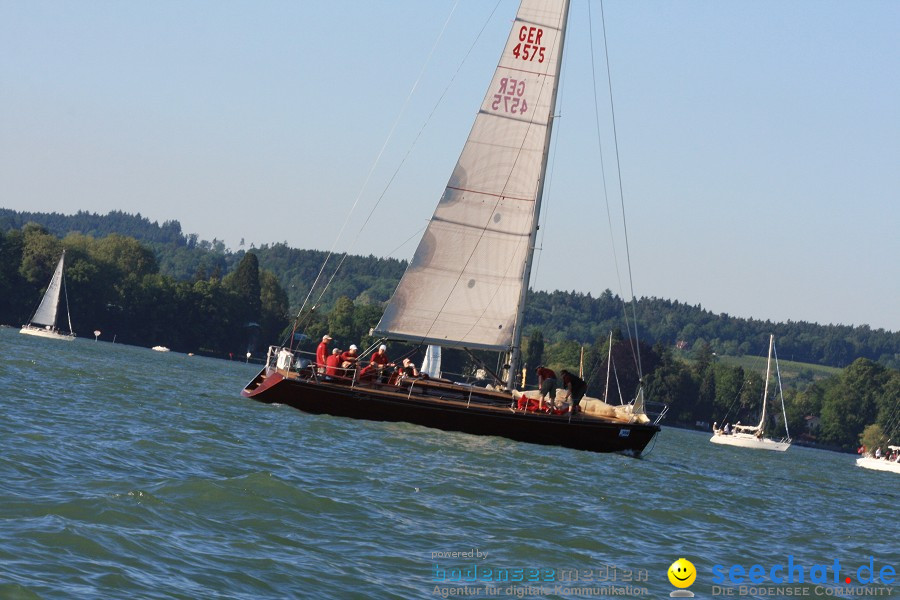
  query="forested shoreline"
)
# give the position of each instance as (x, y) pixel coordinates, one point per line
(151, 284)
(560, 315)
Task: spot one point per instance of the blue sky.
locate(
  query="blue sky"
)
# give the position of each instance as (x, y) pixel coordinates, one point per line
(758, 142)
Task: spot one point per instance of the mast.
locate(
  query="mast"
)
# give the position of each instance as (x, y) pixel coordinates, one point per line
(516, 350)
(762, 419)
(66, 292)
(608, 366)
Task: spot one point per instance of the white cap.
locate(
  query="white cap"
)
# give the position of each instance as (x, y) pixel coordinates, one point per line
(353, 347)
(382, 347)
(325, 338)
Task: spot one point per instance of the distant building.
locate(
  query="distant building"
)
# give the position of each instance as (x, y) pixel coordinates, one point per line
(812, 424)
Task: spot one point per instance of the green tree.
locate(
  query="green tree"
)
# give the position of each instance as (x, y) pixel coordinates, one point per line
(244, 283)
(15, 297)
(273, 307)
(340, 322)
(533, 353)
(873, 437)
(671, 383)
(853, 403)
(40, 253)
(126, 254)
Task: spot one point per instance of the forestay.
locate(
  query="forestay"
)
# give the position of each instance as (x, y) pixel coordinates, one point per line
(464, 284)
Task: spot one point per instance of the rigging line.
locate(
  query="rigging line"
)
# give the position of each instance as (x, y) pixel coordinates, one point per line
(406, 241)
(736, 398)
(619, 385)
(66, 293)
(418, 135)
(892, 421)
(612, 108)
(545, 201)
(602, 165)
(612, 235)
(375, 164)
(781, 392)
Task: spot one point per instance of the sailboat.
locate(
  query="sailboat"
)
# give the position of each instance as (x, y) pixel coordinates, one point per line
(884, 463)
(43, 323)
(466, 284)
(752, 436)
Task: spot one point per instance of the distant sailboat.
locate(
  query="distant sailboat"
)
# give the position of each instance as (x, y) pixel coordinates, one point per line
(43, 323)
(748, 436)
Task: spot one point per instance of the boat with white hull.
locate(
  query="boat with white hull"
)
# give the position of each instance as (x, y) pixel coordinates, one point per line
(881, 464)
(43, 323)
(747, 436)
(878, 464)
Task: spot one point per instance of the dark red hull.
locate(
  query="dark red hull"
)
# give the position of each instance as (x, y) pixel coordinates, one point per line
(450, 407)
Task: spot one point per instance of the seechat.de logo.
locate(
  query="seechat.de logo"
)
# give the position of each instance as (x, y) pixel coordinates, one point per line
(832, 573)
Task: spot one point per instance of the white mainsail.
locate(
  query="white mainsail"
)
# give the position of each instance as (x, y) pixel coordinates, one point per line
(465, 283)
(47, 311)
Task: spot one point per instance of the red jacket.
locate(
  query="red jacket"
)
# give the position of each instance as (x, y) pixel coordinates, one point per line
(544, 373)
(331, 364)
(322, 353)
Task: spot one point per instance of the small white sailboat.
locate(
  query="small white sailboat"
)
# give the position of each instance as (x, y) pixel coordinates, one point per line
(43, 323)
(749, 436)
(883, 463)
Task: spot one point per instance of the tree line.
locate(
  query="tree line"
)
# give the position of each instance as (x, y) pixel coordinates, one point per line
(114, 285)
(560, 315)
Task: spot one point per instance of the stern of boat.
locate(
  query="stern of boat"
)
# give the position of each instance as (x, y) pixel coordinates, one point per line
(278, 363)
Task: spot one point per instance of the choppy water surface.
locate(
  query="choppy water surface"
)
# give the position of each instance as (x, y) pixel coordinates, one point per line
(127, 473)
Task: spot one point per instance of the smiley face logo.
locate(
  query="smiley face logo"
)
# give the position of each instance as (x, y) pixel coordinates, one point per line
(682, 573)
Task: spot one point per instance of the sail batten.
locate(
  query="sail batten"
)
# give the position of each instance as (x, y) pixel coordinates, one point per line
(464, 283)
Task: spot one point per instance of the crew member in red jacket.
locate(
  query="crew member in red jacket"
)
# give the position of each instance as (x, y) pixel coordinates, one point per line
(333, 363)
(349, 359)
(322, 353)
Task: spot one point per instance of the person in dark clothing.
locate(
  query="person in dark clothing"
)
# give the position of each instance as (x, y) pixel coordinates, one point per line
(575, 388)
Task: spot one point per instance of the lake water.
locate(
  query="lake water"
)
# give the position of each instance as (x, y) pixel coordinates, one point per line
(127, 473)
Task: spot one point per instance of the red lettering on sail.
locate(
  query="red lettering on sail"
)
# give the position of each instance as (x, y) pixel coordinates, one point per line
(531, 48)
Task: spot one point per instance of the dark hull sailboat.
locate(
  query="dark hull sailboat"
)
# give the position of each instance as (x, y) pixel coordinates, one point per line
(465, 287)
(448, 406)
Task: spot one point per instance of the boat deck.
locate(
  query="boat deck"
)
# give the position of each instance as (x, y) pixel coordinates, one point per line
(427, 389)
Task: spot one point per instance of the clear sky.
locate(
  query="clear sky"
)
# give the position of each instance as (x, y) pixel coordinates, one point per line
(758, 141)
